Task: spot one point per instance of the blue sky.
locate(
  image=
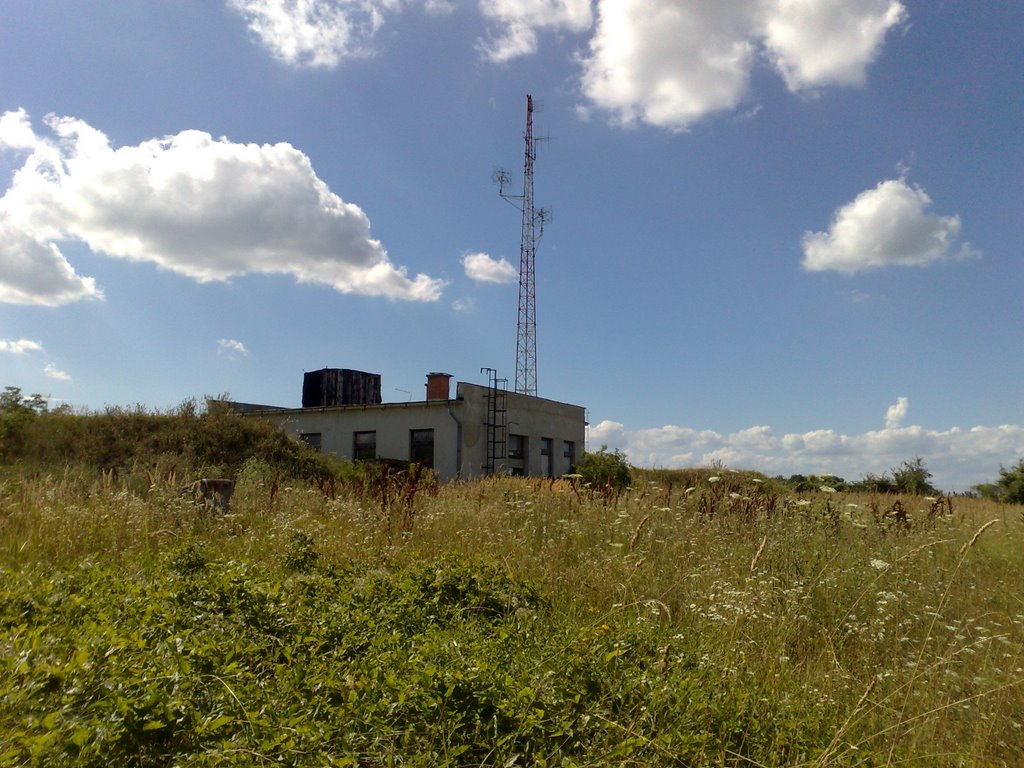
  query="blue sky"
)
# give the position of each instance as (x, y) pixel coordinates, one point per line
(786, 233)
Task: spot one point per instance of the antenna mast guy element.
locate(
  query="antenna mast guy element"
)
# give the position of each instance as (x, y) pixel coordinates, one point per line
(533, 228)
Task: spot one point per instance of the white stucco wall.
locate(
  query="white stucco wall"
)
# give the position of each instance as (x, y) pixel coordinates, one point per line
(460, 430)
(532, 417)
(393, 423)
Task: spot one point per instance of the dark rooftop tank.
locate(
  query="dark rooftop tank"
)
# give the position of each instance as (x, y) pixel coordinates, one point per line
(339, 386)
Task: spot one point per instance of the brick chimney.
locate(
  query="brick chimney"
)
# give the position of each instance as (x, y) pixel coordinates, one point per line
(437, 386)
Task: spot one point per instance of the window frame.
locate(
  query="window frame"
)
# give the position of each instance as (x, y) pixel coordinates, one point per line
(359, 451)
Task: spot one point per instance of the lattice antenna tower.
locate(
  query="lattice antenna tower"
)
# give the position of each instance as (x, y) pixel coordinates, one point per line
(533, 227)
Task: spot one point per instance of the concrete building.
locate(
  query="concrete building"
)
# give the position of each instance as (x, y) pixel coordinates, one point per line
(482, 430)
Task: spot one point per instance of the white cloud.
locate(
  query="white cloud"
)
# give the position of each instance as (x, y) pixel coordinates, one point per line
(896, 413)
(20, 346)
(33, 271)
(521, 19)
(668, 63)
(232, 347)
(53, 372)
(828, 42)
(315, 33)
(205, 208)
(958, 458)
(483, 269)
(16, 131)
(467, 304)
(610, 433)
(671, 63)
(886, 226)
(439, 7)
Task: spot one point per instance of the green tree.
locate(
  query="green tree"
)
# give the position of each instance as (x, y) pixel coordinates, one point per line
(912, 477)
(16, 412)
(1011, 483)
(604, 469)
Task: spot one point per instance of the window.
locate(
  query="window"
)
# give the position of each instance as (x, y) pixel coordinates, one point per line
(421, 447)
(364, 446)
(312, 439)
(547, 458)
(516, 447)
(569, 452)
(517, 455)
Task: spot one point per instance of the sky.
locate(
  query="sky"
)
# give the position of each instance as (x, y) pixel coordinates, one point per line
(785, 235)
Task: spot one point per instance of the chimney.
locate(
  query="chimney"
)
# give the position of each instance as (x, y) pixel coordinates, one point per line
(437, 386)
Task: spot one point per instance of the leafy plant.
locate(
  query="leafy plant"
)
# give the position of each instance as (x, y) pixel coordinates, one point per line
(301, 555)
(1008, 488)
(16, 413)
(707, 617)
(604, 469)
(912, 477)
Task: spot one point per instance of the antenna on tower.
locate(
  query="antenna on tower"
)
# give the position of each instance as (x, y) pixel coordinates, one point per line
(533, 228)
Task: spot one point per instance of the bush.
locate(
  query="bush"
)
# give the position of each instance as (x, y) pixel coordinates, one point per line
(604, 469)
(1011, 483)
(215, 441)
(16, 414)
(912, 477)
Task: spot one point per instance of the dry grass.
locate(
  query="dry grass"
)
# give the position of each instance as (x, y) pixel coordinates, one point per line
(902, 623)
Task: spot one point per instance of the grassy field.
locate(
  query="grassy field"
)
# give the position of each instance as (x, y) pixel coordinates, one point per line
(700, 618)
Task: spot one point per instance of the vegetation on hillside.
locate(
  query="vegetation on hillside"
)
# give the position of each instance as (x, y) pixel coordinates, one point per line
(695, 617)
(189, 440)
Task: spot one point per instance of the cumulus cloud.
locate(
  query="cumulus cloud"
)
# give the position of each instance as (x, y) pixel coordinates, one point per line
(315, 33)
(519, 21)
(610, 433)
(205, 208)
(16, 131)
(54, 372)
(481, 268)
(896, 413)
(958, 457)
(827, 42)
(889, 225)
(670, 63)
(20, 346)
(33, 271)
(231, 347)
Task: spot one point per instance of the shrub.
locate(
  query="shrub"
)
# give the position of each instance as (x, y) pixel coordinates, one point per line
(214, 441)
(16, 413)
(604, 469)
(301, 555)
(912, 477)
(1011, 483)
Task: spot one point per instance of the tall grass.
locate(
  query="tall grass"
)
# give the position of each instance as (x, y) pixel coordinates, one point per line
(903, 638)
(828, 628)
